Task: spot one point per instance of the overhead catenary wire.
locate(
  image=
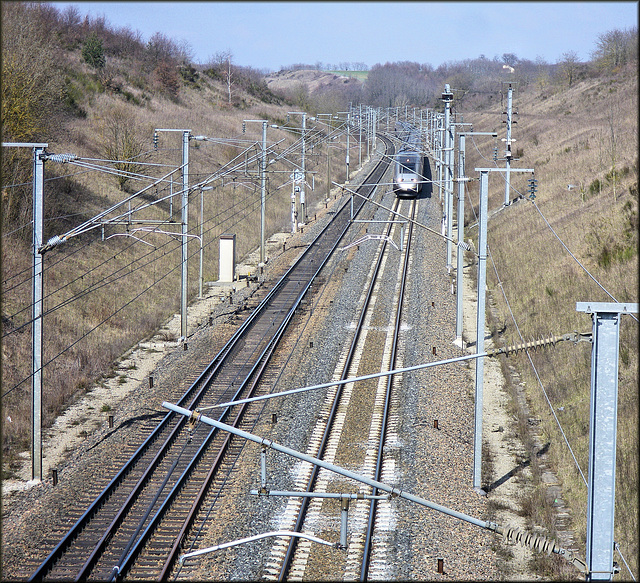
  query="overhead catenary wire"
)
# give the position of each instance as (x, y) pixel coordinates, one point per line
(125, 269)
(84, 335)
(564, 436)
(126, 214)
(84, 293)
(555, 234)
(98, 325)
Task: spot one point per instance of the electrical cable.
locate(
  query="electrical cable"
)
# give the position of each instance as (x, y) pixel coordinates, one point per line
(80, 277)
(501, 286)
(93, 289)
(559, 239)
(93, 329)
(108, 281)
(574, 257)
(616, 546)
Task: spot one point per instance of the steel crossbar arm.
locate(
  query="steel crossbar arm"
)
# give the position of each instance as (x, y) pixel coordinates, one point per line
(534, 542)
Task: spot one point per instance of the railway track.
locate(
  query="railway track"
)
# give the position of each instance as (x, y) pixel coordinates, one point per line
(137, 525)
(374, 344)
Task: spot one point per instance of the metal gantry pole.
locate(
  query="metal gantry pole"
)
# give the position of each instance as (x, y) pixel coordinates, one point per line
(36, 327)
(507, 186)
(263, 186)
(348, 132)
(185, 229)
(360, 136)
(263, 180)
(39, 156)
(201, 274)
(482, 277)
(303, 198)
(447, 97)
(462, 180)
(374, 128)
(460, 237)
(184, 220)
(440, 156)
(602, 435)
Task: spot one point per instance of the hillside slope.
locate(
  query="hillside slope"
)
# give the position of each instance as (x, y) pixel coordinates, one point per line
(582, 142)
(105, 291)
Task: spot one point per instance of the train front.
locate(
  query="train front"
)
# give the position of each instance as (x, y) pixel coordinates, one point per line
(407, 175)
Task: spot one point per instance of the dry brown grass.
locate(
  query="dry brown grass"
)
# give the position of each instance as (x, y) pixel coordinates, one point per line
(567, 138)
(124, 289)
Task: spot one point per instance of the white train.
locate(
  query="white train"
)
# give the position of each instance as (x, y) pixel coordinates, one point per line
(408, 172)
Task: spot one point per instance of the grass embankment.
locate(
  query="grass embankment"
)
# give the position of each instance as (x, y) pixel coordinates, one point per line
(582, 143)
(102, 296)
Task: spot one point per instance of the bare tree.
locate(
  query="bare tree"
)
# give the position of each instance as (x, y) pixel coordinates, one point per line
(569, 66)
(223, 61)
(30, 98)
(510, 59)
(615, 48)
(123, 142)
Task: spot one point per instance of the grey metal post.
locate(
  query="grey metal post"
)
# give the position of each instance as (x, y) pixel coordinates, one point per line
(482, 277)
(344, 514)
(263, 185)
(440, 155)
(374, 129)
(37, 302)
(368, 131)
(328, 170)
(447, 97)
(185, 229)
(348, 132)
(294, 226)
(460, 251)
(200, 274)
(303, 199)
(360, 136)
(36, 327)
(602, 435)
(507, 187)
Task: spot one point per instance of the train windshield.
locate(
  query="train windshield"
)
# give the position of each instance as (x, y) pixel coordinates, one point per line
(407, 165)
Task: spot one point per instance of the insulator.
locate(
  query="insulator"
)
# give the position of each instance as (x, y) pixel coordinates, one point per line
(61, 158)
(535, 542)
(56, 240)
(155, 140)
(531, 345)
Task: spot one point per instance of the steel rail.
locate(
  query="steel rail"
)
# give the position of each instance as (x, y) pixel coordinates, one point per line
(256, 374)
(366, 555)
(203, 381)
(173, 554)
(291, 548)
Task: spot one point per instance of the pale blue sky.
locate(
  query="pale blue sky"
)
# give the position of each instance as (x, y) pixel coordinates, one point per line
(270, 35)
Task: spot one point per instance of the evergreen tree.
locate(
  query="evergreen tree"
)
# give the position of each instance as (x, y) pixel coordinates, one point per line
(93, 52)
